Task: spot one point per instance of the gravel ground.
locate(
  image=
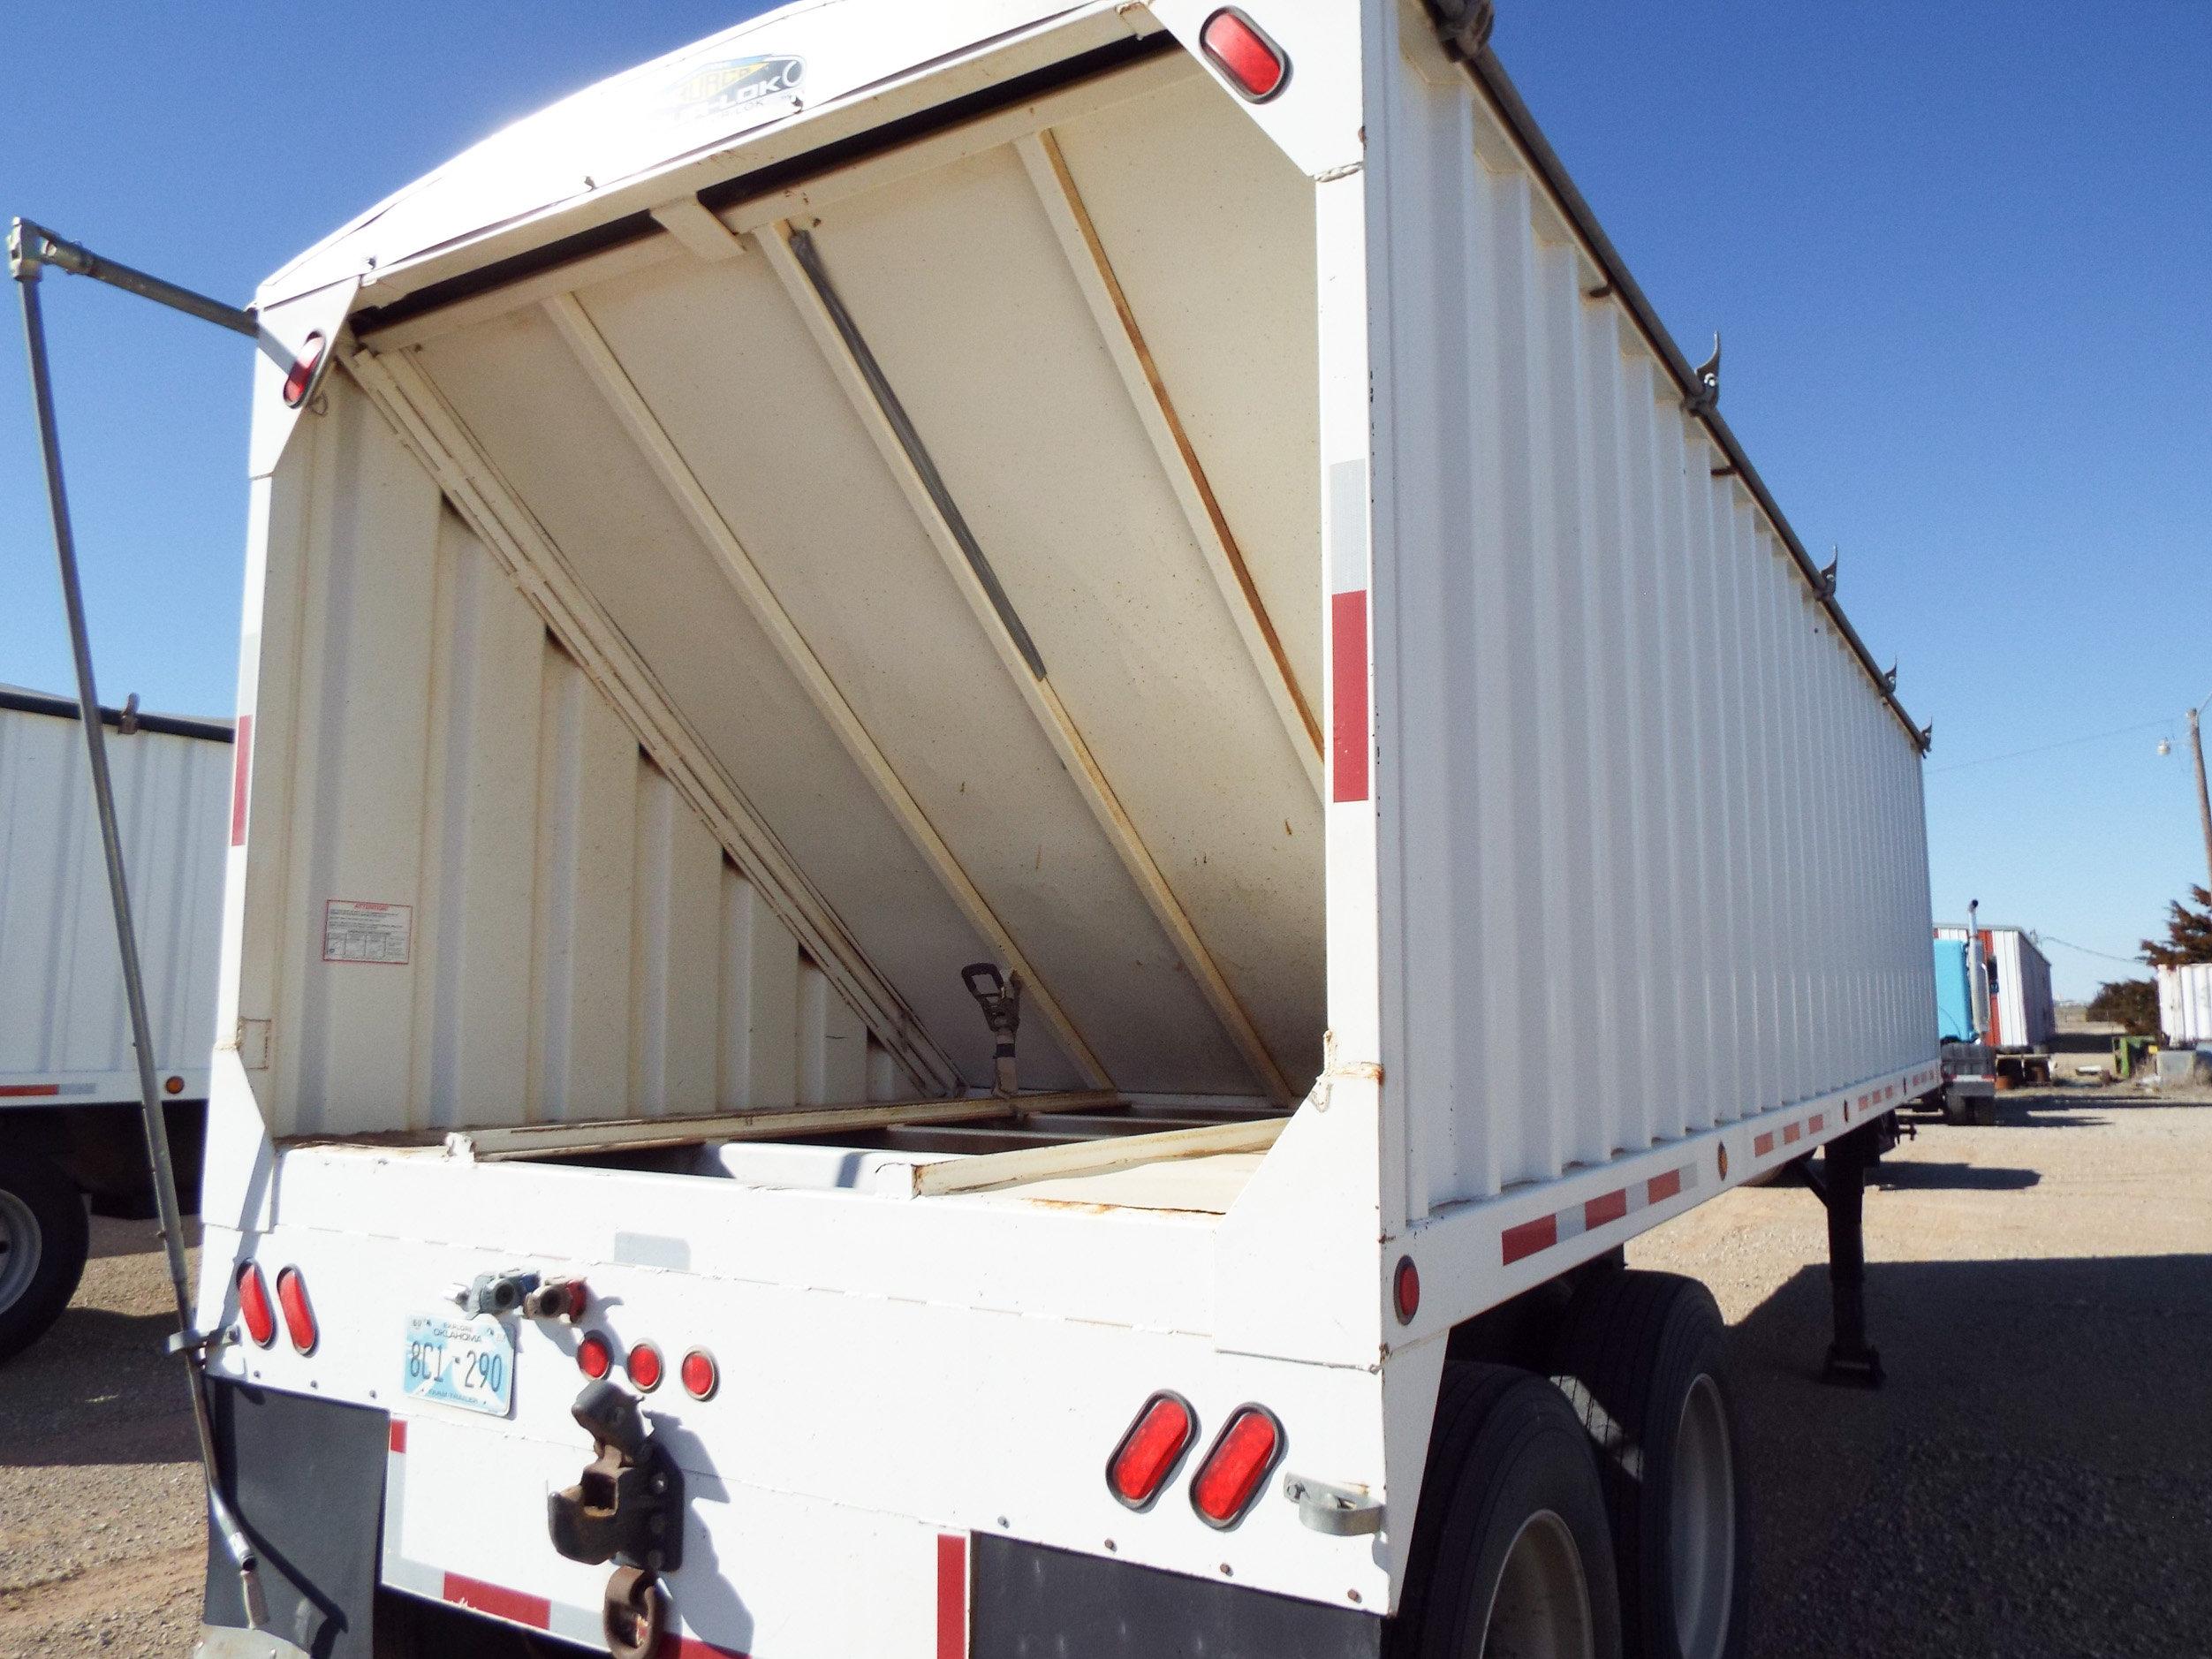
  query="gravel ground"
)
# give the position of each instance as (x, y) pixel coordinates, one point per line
(2036, 1478)
(101, 1548)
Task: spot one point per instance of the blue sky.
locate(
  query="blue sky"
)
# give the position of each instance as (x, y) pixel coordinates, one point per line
(1956, 250)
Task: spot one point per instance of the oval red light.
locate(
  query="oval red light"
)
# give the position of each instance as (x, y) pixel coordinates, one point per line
(593, 1358)
(292, 1291)
(1150, 1449)
(1237, 1466)
(1255, 64)
(302, 374)
(700, 1377)
(1406, 1289)
(644, 1367)
(254, 1308)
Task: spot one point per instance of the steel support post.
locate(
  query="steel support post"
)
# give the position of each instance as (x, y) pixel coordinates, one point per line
(1851, 1358)
(30, 248)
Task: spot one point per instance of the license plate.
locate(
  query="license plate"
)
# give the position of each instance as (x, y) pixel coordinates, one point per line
(464, 1362)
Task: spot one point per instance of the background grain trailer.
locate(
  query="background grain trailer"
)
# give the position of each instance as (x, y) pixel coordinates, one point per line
(1967, 1093)
(947, 701)
(2184, 1006)
(69, 1123)
(2020, 1014)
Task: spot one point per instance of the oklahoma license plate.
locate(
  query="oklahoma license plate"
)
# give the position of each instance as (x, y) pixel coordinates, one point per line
(464, 1362)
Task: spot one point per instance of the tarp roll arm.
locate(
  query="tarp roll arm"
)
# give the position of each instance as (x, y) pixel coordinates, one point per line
(1453, 25)
(31, 245)
(30, 249)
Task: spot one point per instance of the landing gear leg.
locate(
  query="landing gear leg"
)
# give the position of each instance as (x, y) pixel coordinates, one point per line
(1851, 1358)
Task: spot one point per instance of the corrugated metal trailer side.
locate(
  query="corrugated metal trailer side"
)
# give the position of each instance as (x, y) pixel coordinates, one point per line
(65, 1036)
(1626, 740)
(2185, 1004)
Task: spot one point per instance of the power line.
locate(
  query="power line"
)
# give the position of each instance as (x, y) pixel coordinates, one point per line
(2046, 938)
(2068, 743)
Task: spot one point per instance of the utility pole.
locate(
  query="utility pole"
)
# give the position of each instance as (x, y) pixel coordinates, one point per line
(2204, 799)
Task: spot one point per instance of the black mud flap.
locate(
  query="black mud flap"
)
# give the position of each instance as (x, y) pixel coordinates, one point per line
(307, 1477)
(1031, 1603)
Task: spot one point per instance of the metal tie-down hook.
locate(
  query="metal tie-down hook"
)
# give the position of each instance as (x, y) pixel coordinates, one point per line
(1000, 998)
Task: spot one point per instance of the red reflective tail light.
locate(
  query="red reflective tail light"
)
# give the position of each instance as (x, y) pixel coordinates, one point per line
(303, 367)
(1237, 1466)
(1237, 46)
(593, 1358)
(1150, 1449)
(292, 1291)
(254, 1308)
(644, 1367)
(1406, 1289)
(700, 1374)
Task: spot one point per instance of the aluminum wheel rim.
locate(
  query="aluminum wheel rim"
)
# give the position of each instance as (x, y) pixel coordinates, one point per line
(20, 1246)
(1539, 1607)
(1703, 1507)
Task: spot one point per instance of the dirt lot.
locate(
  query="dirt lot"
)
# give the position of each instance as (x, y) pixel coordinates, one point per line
(2035, 1480)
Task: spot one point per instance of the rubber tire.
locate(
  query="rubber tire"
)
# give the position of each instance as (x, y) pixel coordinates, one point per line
(1627, 1352)
(65, 1241)
(1957, 1112)
(1505, 1447)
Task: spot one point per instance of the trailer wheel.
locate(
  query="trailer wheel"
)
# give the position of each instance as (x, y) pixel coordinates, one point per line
(1639, 1358)
(1510, 1554)
(43, 1242)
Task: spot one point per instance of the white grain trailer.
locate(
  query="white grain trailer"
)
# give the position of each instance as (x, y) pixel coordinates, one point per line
(70, 1127)
(1180, 507)
(2184, 1006)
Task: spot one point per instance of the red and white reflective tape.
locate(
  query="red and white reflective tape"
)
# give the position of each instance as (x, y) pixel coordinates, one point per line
(1791, 1133)
(42, 1091)
(1531, 1238)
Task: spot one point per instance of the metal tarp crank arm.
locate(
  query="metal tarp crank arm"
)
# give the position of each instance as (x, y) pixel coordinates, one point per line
(30, 248)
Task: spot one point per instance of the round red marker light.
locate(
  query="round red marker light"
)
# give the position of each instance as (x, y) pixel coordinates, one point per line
(303, 367)
(593, 1358)
(1406, 1289)
(700, 1377)
(255, 1306)
(644, 1367)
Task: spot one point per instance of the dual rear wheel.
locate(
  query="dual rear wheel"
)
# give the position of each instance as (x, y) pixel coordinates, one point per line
(1592, 1513)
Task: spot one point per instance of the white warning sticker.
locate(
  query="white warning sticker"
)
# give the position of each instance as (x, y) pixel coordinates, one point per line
(356, 931)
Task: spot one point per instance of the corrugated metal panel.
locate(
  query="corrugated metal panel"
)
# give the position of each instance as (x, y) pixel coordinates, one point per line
(2185, 1004)
(571, 941)
(1655, 840)
(62, 1017)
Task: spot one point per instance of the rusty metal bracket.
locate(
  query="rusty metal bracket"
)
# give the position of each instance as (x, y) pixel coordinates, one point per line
(628, 1505)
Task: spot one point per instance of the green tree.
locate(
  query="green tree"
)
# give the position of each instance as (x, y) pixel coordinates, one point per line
(2132, 1004)
(2188, 934)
